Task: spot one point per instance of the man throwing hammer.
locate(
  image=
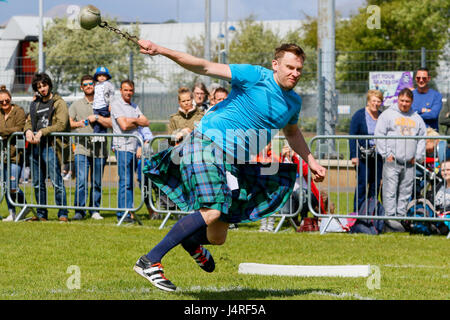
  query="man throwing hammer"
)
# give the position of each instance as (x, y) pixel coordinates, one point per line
(210, 172)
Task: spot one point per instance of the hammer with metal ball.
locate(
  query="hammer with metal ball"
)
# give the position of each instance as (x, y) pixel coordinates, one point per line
(90, 18)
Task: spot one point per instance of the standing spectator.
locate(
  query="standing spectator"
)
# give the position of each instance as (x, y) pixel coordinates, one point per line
(48, 114)
(12, 119)
(88, 154)
(104, 93)
(427, 102)
(369, 164)
(200, 96)
(212, 89)
(400, 155)
(183, 122)
(220, 94)
(145, 151)
(126, 119)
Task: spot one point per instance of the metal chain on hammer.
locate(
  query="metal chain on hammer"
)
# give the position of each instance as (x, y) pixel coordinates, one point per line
(125, 35)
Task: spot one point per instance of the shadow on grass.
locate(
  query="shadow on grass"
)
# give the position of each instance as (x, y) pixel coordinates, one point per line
(250, 294)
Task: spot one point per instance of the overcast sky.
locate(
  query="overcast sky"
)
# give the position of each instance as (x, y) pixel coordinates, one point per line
(184, 10)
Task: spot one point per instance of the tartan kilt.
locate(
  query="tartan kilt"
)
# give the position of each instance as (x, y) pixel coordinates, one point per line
(193, 177)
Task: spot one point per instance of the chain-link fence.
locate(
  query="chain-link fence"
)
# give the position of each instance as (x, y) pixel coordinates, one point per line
(157, 79)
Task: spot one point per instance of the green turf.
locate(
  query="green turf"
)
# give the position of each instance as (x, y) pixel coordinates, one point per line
(35, 257)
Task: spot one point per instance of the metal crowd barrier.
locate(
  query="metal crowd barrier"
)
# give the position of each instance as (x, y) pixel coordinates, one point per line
(48, 195)
(160, 203)
(341, 182)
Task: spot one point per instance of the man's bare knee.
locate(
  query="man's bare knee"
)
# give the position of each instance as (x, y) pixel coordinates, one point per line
(210, 215)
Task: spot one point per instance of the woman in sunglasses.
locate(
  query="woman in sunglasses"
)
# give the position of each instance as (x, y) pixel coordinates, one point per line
(12, 119)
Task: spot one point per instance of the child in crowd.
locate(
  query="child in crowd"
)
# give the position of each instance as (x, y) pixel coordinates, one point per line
(104, 93)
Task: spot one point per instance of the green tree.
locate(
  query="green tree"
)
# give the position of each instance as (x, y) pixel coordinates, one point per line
(71, 53)
(405, 27)
(253, 43)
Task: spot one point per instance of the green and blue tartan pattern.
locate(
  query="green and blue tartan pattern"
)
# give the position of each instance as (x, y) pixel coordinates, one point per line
(199, 181)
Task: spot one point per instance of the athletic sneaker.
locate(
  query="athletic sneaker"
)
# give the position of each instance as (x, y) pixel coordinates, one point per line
(78, 216)
(96, 216)
(203, 257)
(11, 217)
(153, 273)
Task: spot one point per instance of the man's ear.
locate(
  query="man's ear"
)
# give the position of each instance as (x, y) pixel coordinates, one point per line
(275, 65)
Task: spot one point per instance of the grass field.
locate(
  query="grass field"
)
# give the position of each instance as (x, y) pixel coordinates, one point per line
(36, 260)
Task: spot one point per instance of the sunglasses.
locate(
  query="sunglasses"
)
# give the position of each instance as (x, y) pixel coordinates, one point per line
(5, 101)
(88, 84)
(422, 78)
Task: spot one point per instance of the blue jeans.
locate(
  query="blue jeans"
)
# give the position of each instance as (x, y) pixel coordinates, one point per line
(126, 166)
(369, 181)
(13, 178)
(45, 163)
(82, 165)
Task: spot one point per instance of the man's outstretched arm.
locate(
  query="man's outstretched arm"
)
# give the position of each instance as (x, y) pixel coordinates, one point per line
(187, 61)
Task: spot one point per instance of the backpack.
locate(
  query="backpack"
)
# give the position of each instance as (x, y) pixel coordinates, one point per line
(369, 226)
(424, 208)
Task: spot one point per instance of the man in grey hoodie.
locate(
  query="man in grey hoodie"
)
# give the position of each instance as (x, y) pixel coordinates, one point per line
(399, 154)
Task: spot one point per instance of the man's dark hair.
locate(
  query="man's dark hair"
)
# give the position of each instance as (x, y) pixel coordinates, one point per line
(41, 78)
(128, 82)
(86, 77)
(289, 47)
(423, 69)
(406, 92)
(220, 89)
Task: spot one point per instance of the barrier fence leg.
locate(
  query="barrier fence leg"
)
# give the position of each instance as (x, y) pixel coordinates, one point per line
(136, 217)
(280, 224)
(294, 225)
(326, 226)
(125, 214)
(163, 223)
(24, 212)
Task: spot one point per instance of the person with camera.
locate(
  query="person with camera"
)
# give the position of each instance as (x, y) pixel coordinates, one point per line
(369, 165)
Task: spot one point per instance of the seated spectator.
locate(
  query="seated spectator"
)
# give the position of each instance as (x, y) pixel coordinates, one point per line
(319, 200)
(12, 119)
(267, 156)
(188, 116)
(434, 205)
(369, 164)
(399, 155)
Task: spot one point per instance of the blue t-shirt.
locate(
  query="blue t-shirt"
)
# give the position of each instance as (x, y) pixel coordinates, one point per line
(431, 100)
(371, 124)
(252, 114)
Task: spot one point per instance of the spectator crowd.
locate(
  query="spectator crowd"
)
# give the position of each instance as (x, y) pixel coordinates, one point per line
(391, 167)
(385, 167)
